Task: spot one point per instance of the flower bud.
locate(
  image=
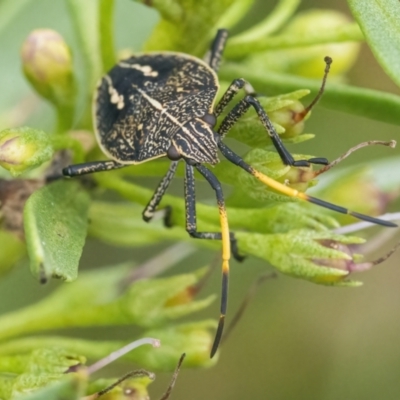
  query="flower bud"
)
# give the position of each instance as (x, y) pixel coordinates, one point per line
(195, 339)
(321, 257)
(132, 388)
(287, 118)
(22, 149)
(285, 112)
(47, 64)
(154, 302)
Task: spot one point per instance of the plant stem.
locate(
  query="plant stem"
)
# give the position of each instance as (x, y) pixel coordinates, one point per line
(61, 142)
(106, 33)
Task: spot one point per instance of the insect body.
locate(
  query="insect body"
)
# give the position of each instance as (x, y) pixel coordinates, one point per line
(162, 104)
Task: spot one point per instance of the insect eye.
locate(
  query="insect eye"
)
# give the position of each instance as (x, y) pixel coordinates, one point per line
(173, 153)
(210, 119)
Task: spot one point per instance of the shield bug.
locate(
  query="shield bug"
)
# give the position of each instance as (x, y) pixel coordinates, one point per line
(162, 105)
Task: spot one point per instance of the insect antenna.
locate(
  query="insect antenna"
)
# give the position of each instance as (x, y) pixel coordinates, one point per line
(301, 115)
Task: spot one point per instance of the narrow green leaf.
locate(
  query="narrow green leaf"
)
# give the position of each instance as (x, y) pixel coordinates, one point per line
(367, 103)
(55, 220)
(379, 21)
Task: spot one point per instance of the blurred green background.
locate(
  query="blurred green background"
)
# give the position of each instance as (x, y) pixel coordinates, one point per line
(297, 340)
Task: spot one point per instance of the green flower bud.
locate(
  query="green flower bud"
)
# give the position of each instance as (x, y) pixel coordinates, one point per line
(132, 388)
(288, 118)
(22, 149)
(286, 114)
(308, 60)
(157, 301)
(194, 339)
(47, 64)
(305, 254)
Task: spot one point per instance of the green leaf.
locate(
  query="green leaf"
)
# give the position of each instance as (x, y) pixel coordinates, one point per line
(379, 21)
(55, 220)
(368, 103)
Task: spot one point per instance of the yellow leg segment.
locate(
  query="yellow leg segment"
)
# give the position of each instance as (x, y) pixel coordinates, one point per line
(226, 255)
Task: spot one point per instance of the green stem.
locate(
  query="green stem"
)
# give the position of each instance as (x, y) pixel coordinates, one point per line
(106, 33)
(65, 117)
(282, 12)
(239, 47)
(142, 196)
(85, 16)
(367, 103)
(60, 142)
(233, 14)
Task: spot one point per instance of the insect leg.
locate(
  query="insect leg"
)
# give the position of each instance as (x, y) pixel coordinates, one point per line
(231, 92)
(91, 167)
(191, 223)
(287, 190)
(241, 108)
(149, 211)
(214, 55)
(226, 248)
